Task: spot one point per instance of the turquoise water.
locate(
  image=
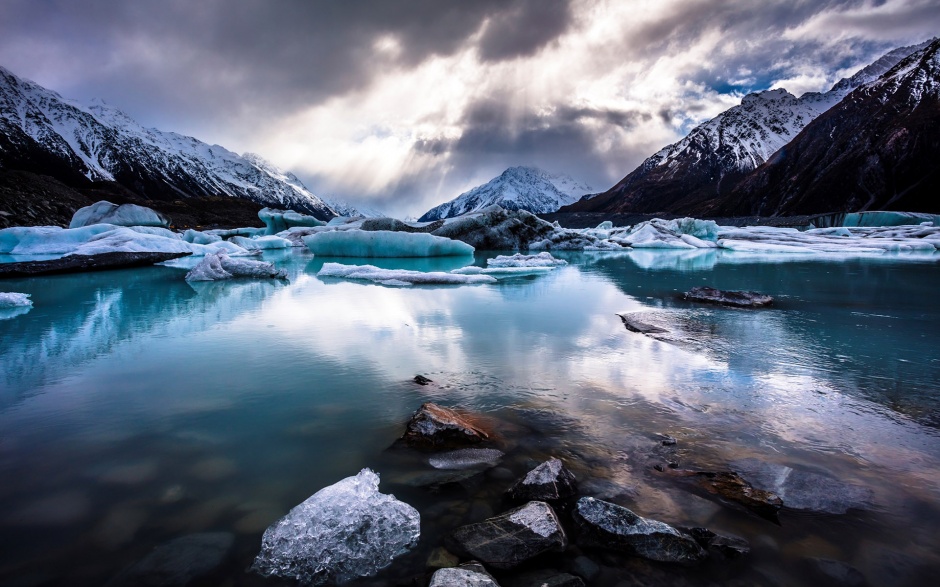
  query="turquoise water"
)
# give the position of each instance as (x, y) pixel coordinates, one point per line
(135, 408)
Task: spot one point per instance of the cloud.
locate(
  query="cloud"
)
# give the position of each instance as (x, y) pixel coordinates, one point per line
(410, 103)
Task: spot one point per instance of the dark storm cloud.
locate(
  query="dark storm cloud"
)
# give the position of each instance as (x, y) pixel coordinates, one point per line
(215, 58)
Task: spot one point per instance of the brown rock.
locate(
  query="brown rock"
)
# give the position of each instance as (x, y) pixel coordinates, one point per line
(434, 426)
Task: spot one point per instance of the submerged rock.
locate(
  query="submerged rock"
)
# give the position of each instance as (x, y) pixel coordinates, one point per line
(550, 481)
(732, 486)
(341, 532)
(507, 540)
(606, 525)
(82, 263)
(179, 562)
(467, 458)
(422, 380)
(466, 575)
(434, 426)
(633, 324)
(741, 299)
(726, 546)
(805, 490)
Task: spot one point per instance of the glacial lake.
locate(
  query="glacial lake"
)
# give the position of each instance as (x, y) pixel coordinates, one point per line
(135, 408)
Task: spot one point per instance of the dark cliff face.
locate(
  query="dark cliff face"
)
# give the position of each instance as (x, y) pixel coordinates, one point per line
(878, 149)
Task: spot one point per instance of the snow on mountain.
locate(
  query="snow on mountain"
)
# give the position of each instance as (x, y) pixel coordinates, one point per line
(716, 155)
(350, 210)
(103, 143)
(517, 188)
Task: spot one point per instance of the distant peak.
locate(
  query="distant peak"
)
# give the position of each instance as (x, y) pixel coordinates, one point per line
(769, 96)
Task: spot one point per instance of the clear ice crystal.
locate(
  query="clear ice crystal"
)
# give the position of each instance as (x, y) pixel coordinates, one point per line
(341, 532)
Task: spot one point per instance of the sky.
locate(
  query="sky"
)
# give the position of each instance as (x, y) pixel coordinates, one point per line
(401, 105)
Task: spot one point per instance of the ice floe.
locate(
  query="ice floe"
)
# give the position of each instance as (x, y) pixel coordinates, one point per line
(14, 300)
(543, 259)
(216, 266)
(400, 277)
(342, 532)
(103, 238)
(383, 243)
(276, 221)
(104, 212)
(261, 243)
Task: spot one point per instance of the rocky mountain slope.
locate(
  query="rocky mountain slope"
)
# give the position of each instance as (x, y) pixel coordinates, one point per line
(517, 188)
(878, 149)
(686, 177)
(84, 146)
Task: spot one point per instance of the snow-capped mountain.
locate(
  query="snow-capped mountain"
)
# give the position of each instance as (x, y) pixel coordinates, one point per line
(350, 210)
(878, 149)
(40, 131)
(716, 155)
(517, 188)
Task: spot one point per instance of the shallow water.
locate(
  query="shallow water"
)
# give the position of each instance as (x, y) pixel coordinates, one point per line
(135, 408)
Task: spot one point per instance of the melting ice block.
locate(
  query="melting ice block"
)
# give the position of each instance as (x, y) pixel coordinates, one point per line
(277, 221)
(683, 233)
(102, 238)
(341, 532)
(14, 300)
(543, 259)
(383, 243)
(104, 212)
(399, 276)
(220, 266)
(261, 243)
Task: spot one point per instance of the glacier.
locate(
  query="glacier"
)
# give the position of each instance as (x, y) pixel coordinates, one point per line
(400, 277)
(383, 243)
(218, 266)
(344, 531)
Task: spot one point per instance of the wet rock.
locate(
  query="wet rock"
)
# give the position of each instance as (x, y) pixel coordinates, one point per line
(512, 538)
(732, 486)
(544, 578)
(839, 573)
(441, 558)
(740, 299)
(179, 562)
(550, 481)
(467, 458)
(605, 525)
(726, 546)
(466, 575)
(434, 426)
(83, 263)
(634, 324)
(804, 490)
(668, 440)
(422, 380)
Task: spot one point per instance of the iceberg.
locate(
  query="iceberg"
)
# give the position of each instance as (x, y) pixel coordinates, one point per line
(276, 221)
(383, 243)
(14, 300)
(216, 266)
(342, 532)
(200, 238)
(854, 241)
(543, 259)
(261, 243)
(102, 238)
(399, 277)
(683, 233)
(105, 212)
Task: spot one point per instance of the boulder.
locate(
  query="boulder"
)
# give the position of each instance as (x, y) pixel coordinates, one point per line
(550, 481)
(342, 532)
(508, 540)
(467, 575)
(606, 525)
(434, 426)
(740, 299)
(422, 380)
(180, 562)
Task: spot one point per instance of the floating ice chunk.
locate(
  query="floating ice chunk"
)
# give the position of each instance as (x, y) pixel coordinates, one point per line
(399, 276)
(104, 212)
(342, 532)
(684, 233)
(14, 304)
(216, 266)
(261, 242)
(498, 272)
(276, 221)
(102, 238)
(383, 243)
(543, 259)
(14, 300)
(200, 238)
(889, 219)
